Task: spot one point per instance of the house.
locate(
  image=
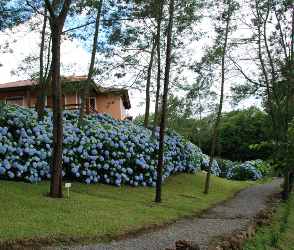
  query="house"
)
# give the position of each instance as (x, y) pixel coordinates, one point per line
(111, 101)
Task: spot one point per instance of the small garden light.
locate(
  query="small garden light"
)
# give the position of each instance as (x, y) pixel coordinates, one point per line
(67, 186)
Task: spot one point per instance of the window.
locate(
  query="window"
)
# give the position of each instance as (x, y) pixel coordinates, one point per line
(15, 100)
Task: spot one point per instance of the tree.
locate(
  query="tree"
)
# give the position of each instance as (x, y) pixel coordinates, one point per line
(148, 83)
(58, 11)
(158, 53)
(91, 71)
(245, 135)
(274, 38)
(223, 35)
(160, 163)
(43, 74)
(12, 14)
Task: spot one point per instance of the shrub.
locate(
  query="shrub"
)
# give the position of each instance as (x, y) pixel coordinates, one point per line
(104, 150)
(262, 166)
(244, 171)
(215, 169)
(225, 166)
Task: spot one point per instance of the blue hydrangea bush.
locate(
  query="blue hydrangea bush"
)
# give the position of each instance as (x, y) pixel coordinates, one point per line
(105, 150)
(244, 171)
(225, 166)
(215, 168)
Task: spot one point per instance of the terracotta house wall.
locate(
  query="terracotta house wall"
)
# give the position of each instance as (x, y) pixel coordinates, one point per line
(22, 93)
(29, 99)
(33, 100)
(110, 104)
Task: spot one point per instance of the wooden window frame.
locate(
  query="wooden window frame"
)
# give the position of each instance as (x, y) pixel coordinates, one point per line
(15, 98)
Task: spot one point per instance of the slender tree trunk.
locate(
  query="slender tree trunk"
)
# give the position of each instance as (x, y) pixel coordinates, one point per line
(56, 180)
(160, 164)
(148, 84)
(263, 67)
(218, 118)
(291, 91)
(85, 90)
(286, 185)
(268, 82)
(292, 40)
(40, 104)
(200, 119)
(291, 181)
(158, 37)
(56, 25)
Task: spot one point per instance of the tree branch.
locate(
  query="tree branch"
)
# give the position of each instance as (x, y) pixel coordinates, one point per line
(49, 8)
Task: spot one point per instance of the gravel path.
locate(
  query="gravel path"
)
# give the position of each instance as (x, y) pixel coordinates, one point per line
(222, 219)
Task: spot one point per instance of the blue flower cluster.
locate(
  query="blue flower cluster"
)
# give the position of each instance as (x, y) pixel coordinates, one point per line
(104, 150)
(244, 171)
(215, 169)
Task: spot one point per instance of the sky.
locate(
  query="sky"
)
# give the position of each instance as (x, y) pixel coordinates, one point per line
(75, 58)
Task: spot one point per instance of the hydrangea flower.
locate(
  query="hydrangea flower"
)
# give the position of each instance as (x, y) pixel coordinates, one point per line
(105, 150)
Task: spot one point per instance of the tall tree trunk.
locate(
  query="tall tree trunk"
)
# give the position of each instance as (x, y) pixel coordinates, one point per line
(160, 164)
(56, 180)
(286, 185)
(291, 92)
(148, 83)
(85, 90)
(158, 52)
(40, 104)
(56, 25)
(219, 113)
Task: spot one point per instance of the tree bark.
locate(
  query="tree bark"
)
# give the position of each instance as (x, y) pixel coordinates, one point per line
(158, 52)
(148, 84)
(40, 104)
(56, 180)
(85, 90)
(286, 185)
(218, 118)
(288, 172)
(160, 164)
(56, 25)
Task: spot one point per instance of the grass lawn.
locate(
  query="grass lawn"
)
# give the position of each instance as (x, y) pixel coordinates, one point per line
(279, 235)
(101, 212)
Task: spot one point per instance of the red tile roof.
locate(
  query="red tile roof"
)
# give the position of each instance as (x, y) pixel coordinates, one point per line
(99, 89)
(17, 84)
(25, 83)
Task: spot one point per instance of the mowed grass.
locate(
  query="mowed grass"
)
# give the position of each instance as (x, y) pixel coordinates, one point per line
(280, 234)
(101, 212)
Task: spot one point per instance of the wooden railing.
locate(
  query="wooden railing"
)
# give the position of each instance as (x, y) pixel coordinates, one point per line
(88, 108)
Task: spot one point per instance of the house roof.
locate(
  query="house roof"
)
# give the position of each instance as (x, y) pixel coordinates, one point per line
(27, 84)
(18, 84)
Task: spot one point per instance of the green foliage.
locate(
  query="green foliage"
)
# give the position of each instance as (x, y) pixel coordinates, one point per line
(278, 235)
(15, 12)
(239, 130)
(263, 166)
(291, 143)
(243, 134)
